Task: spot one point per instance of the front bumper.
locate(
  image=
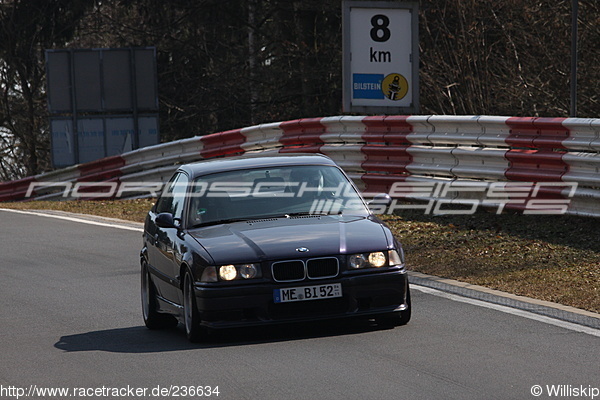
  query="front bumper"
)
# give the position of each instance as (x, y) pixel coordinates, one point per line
(247, 305)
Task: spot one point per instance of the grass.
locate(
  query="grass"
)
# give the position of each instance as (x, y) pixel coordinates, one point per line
(130, 210)
(548, 257)
(553, 258)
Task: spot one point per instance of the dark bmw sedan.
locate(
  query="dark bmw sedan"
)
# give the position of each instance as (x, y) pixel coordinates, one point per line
(267, 240)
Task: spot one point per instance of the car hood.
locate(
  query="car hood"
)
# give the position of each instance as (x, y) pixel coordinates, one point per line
(278, 238)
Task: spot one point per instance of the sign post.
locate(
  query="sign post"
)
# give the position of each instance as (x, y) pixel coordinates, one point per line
(381, 57)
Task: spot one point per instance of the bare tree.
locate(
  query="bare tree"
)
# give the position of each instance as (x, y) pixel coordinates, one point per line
(225, 64)
(27, 27)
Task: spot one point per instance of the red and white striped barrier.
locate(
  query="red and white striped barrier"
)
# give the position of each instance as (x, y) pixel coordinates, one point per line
(377, 152)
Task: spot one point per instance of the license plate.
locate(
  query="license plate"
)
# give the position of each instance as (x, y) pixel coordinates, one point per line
(305, 293)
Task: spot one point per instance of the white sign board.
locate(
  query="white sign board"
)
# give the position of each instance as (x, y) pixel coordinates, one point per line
(381, 57)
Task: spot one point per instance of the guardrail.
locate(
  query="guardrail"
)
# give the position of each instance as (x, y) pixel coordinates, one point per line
(377, 152)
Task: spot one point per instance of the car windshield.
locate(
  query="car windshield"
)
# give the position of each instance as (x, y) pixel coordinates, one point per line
(272, 192)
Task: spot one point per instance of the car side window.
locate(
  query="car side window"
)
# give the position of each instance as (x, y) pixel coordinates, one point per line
(165, 201)
(172, 200)
(179, 196)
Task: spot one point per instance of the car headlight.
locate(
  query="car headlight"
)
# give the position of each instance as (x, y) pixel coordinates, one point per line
(357, 261)
(376, 259)
(232, 272)
(248, 271)
(227, 272)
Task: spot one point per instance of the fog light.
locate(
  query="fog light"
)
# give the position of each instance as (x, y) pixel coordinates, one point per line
(227, 272)
(377, 259)
(247, 271)
(357, 261)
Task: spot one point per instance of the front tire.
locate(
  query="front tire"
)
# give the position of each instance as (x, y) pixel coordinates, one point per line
(152, 318)
(191, 319)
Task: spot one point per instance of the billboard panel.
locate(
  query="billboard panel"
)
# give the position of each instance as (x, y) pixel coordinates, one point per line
(90, 138)
(86, 74)
(148, 131)
(145, 76)
(120, 134)
(58, 68)
(108, 98)
(117, 83)
(63, 142)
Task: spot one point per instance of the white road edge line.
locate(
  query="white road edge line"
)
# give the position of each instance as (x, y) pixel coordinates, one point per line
(73, 219)
(509, 310)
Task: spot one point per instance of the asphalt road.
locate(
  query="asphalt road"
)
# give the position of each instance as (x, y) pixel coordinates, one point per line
(70, 318)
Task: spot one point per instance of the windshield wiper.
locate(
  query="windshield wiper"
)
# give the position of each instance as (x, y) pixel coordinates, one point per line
(259, 217)
(298, 214)
(220, 221)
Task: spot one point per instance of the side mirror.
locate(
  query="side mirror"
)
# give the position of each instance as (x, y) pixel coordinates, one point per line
(382, 199)
(165, 220)
(380, 203)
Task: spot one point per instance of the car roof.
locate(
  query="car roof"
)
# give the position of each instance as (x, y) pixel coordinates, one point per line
(249, 162)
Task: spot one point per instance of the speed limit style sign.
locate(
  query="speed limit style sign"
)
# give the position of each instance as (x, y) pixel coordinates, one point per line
(381, 57)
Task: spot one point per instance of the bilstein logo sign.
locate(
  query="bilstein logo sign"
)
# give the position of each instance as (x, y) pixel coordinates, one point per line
(394, 87)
